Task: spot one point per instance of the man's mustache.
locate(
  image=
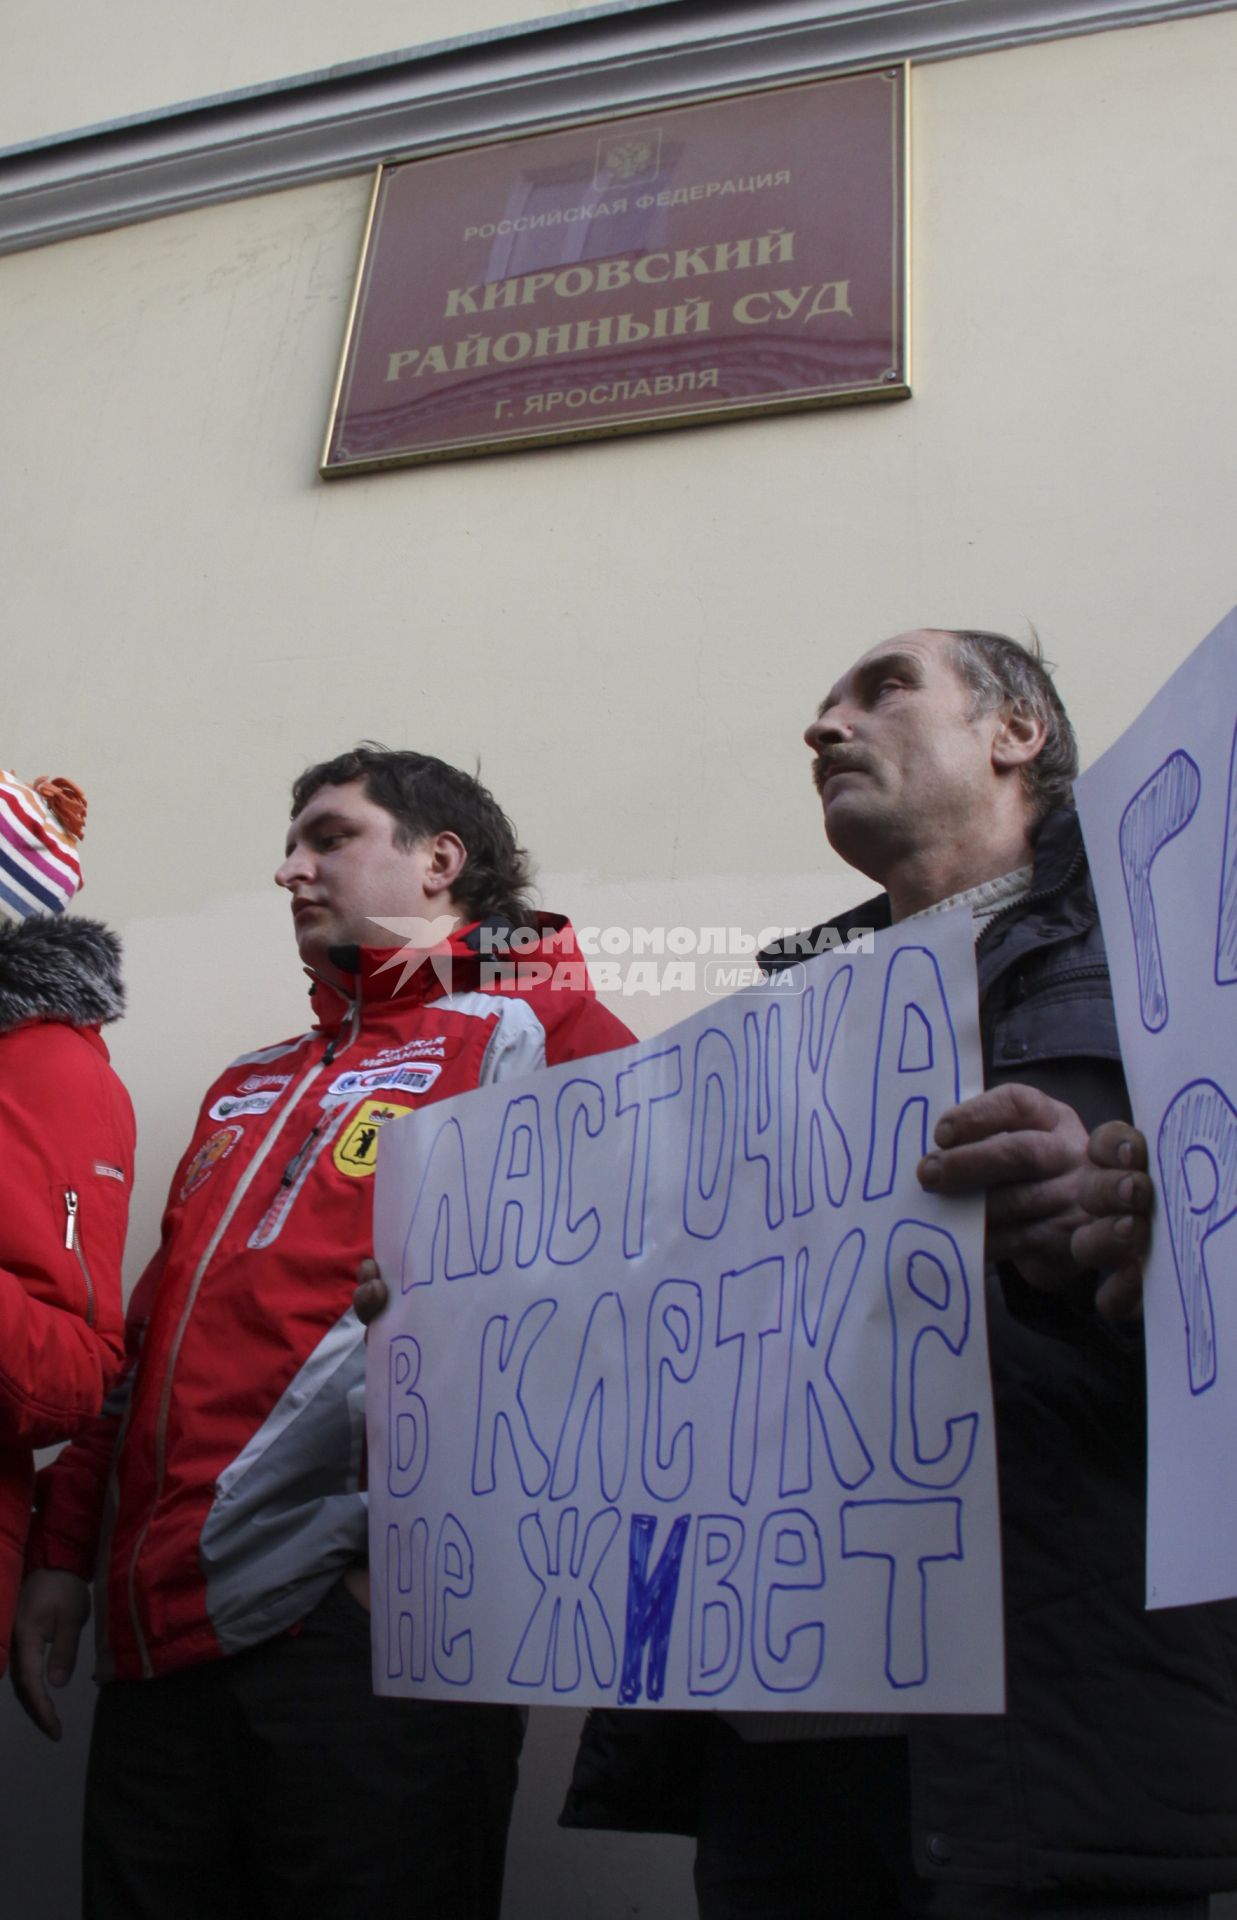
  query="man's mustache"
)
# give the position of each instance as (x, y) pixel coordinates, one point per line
(837, 760)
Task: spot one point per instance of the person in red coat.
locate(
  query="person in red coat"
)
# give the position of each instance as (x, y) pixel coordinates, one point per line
(66, 1154)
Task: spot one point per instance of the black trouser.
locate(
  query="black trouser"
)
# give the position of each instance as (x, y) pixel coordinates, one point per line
(274, 1784)
(821, 1830)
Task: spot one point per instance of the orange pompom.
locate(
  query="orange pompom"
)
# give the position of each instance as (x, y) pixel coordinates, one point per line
(66, 801)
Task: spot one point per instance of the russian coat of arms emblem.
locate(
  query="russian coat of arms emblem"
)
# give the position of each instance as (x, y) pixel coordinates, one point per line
(624, 159)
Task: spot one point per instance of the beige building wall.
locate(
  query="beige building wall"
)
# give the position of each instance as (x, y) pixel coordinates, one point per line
(80, 63)
(627, 637)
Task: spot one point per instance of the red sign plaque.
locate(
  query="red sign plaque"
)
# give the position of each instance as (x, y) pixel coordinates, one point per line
(743, 256)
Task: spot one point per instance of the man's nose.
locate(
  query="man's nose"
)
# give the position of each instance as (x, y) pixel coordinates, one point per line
(293, 868)
(827, 728)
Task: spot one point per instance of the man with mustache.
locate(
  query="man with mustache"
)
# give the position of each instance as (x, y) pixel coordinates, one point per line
(944, 762)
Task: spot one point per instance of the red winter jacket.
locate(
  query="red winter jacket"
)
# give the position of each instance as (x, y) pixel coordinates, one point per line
(66, 1170)
(237, 1486)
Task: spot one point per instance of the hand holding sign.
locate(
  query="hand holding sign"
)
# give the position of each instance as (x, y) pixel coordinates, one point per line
(371, 1294)
(1119, 1200)
(1027, 1153)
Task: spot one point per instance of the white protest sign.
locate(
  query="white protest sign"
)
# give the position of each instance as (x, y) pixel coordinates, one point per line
(1159, 812)
(683, 1393)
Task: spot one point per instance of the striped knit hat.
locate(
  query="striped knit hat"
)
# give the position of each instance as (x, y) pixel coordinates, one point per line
(40, 827)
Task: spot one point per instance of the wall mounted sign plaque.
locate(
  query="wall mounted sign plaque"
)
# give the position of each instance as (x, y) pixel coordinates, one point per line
(747, 255)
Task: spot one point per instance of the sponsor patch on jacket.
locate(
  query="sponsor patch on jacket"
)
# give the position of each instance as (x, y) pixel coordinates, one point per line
(109, 1172)
(257, 1082)
(233, 1103)
(431, 1046)
(356, 1150)
(393, 1079)
(207, 1158)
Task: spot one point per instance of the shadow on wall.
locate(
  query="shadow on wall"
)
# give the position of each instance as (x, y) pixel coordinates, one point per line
(551, 1875)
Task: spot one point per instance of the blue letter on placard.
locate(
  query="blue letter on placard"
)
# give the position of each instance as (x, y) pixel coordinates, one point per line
(580, 1102)
(407, 1600)
(930, 1303)
(749, 1308)
(916, 1065)
(713, 1135)
(600, 1381)
(637, 1093)
(500, 1396)
(568, 1612)
(1226, 922)
(452, 1581)
(762, 1105)
(907, 1534)
(818, 1131)
(789, 1559)
(408, 1445)
(1163, 805)
(676, 1318)
(650, 1605)
(811, 1389)
(716, 1643)
(517, 1185)
(444, 1194)
(1198, 1179)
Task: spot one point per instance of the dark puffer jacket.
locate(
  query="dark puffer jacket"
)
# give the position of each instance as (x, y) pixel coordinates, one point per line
(1115, 1764)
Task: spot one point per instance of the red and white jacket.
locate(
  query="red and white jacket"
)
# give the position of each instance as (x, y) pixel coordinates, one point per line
(66, 1171)
(226, 1476)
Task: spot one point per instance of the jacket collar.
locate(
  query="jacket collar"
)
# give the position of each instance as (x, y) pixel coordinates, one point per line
(59, 969)
(469, 961)
(1060, 903)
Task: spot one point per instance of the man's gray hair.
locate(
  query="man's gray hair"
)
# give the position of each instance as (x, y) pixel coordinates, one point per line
(1001, 672)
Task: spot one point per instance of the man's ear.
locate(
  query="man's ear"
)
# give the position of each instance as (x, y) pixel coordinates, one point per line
(1018, 739)
(446, 863)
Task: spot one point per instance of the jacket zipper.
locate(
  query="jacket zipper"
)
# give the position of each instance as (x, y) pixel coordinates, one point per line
(288, 1177)
(229, 1213)
(73, 1243)
(1094, 971)
(1034, 899)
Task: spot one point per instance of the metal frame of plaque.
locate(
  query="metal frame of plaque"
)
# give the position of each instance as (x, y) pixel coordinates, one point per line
(744, 255)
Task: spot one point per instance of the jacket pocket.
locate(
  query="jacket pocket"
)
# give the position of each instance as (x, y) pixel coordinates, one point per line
(67, 1213)
(1069, 1019)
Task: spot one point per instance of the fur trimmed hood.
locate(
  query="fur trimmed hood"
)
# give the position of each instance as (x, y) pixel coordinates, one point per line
(59, 969)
